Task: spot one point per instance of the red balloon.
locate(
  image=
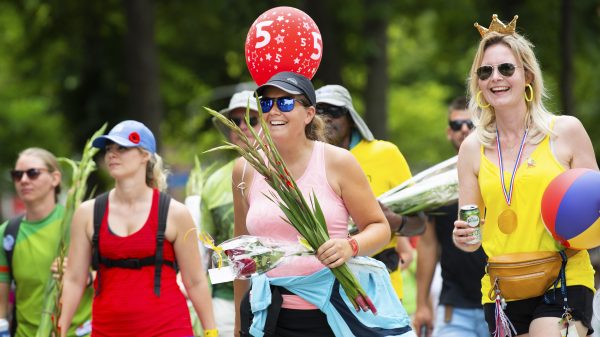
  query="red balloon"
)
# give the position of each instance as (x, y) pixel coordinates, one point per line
(283, 39)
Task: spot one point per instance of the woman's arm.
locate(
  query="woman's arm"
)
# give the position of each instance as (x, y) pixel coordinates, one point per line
(189, 261)
(80, 254)
(349, 181)
(468, 190)
(572, 146)
(240, 210)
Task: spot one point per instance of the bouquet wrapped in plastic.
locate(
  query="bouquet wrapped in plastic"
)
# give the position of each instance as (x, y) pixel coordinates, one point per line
(246, 255)
(430, 189)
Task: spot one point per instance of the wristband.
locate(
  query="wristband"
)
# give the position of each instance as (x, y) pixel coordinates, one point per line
(354, 245)
(402, 223)
(211, 333)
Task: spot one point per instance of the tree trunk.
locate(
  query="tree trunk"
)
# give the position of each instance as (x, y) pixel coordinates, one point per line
(377, 75)
(566, 57)
(330, 69)
(142, 65)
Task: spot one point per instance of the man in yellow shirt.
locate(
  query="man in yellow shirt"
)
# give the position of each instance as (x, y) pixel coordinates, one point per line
(383, 164)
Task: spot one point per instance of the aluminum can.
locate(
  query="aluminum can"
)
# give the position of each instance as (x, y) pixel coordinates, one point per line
(470, 215)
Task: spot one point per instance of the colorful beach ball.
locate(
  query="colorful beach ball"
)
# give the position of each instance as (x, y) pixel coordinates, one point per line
(571, 208)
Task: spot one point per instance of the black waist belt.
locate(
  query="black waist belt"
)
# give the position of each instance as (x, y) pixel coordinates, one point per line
(133, 263)
(390, 258)
(272, 312)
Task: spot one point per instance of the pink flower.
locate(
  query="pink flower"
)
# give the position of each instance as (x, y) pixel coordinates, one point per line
(246, 266)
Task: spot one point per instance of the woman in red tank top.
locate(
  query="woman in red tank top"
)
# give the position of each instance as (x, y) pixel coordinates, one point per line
(132, 297)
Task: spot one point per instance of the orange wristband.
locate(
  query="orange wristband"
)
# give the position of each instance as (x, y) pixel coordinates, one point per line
(354, 245)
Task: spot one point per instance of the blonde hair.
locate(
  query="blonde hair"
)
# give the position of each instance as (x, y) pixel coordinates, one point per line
(156, 174)
(315, 130)
(49, 160)
(537, 117)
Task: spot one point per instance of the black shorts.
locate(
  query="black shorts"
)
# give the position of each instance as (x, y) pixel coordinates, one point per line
(522, 312)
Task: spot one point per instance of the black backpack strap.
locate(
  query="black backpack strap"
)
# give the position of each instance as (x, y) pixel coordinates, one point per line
(99, 209)
(163, 209)
(10, 240)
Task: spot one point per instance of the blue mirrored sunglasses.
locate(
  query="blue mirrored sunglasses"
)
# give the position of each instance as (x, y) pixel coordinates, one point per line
(284, 104)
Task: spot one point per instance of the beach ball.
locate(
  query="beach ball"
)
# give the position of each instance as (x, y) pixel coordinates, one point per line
(571, 208)
(283, 39)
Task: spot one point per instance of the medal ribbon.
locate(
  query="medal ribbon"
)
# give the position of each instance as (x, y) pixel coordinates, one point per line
(508, 195)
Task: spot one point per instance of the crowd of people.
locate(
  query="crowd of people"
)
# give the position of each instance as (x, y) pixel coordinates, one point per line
(129, 244)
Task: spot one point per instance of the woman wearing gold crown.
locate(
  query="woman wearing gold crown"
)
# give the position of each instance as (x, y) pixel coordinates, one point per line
(517, 148)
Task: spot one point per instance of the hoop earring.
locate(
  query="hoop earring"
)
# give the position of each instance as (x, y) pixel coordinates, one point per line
(530, 98)
(477, 98)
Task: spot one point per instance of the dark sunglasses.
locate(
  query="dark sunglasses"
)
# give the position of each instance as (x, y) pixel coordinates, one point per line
(32, 173)
(331, 110)
(238, 120)
(456, 125)
(284, 104)
(505, 69)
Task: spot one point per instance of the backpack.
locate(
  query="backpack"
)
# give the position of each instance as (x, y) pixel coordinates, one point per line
(8, 243)
(134, 263)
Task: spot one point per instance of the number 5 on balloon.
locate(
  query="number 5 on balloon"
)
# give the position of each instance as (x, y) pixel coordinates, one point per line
(317, 45)
(264, 34)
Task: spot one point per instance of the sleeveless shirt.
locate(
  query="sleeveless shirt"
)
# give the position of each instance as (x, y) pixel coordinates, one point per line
(531, 179)
(264, 219)
(126, 304)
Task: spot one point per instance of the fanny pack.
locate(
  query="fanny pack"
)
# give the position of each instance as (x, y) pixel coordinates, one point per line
(519, 276)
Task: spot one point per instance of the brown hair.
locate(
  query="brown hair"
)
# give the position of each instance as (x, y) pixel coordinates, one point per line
(315, 130)
(49, 160)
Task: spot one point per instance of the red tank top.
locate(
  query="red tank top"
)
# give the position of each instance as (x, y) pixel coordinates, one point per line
(126, 304)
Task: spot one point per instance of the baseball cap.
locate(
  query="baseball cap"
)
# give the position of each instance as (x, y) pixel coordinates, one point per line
(339, 96)
(238, 100)
(291, 83)
(128, 134)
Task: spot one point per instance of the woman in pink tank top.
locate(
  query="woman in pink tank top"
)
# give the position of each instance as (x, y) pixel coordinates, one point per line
(136, 289)
(332, 173)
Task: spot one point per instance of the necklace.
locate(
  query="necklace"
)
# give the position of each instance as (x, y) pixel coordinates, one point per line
(507, 220)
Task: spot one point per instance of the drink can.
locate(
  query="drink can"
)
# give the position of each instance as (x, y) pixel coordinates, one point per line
(470, 215)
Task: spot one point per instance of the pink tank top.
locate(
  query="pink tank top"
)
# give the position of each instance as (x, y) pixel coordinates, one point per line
(264, 219)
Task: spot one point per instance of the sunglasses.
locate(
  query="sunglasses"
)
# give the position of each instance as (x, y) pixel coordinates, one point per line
(284, 104)
(238, 120)
(32, 173)
(505, 69)
(456, 125)
(332, 111)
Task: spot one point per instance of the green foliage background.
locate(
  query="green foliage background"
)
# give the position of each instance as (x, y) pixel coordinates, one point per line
(62, 66)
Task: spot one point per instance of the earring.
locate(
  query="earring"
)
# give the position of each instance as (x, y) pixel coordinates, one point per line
(477, 98)
(530, 98)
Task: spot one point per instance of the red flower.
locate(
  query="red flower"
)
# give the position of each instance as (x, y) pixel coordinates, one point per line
(234, 252)
(134, 137)
(246, 266)
(289, 184)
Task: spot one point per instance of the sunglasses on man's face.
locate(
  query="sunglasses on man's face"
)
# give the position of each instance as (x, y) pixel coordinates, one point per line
(32, 173)
(332, 111)
(284, 104)
(505, 69)
(456, 125)
(238, 120)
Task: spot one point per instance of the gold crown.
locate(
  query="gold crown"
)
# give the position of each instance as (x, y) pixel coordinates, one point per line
(498, 26)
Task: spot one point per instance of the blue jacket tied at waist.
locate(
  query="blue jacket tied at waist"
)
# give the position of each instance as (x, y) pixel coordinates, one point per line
(323, 291)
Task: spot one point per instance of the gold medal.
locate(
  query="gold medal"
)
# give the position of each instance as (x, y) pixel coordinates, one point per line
(507, 221)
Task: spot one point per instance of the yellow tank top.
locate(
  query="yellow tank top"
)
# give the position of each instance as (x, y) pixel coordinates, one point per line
(531, 179)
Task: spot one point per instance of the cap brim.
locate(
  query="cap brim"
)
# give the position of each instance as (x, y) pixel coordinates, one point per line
(290, 89)
(100, 142)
